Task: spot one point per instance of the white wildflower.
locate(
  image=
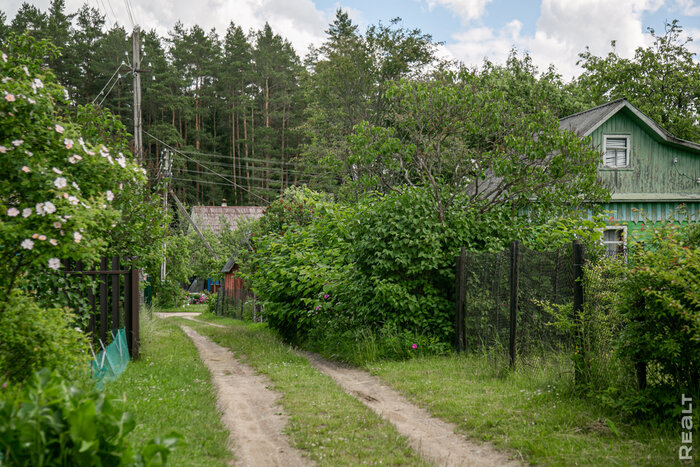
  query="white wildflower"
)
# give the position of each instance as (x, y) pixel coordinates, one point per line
(26, 169)
(57, 225)
(3, 149)
(58, 171)
(73, 200)
(59, 128)
(49, 207)
(77, 237)
(121, 161)
(26, 212)
(37, 82)
(4, 57)
(17, 142)
(53, 241)
(27, 244)
(54, 263)
(40, 209)
(74, 158)
(110, 195)
(68, 143)
(42, 237)
(13, 212)
(9, 97)
(75, 185)
(60, 182)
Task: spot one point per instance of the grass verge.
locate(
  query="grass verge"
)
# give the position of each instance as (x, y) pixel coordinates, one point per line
(530, 411)
(167, 389)
(333, 427)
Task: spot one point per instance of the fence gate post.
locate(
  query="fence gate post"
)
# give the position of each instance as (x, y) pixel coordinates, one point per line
(134, 311)
(579, 259)
(514, 282)
(459, 299)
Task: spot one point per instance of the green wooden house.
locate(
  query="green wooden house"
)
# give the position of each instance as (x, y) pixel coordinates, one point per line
(648, 171)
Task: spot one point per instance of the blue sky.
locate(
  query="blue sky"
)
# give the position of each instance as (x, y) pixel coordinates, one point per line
(552, 31)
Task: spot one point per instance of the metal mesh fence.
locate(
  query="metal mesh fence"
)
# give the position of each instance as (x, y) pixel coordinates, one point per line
(544, 288)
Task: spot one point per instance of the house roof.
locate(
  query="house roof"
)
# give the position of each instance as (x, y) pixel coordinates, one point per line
(228, 267)
(210, 217)
(586, 122)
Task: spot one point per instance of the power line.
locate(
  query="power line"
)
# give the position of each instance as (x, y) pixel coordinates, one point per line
(107, 84)
(258, 168)
(116, 21)
(209, 182)
(176, 151)
(267, 180)
(221, 156)
(129, 12)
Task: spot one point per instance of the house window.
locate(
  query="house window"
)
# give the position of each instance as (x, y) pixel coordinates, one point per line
(617, 151)
(615, 241)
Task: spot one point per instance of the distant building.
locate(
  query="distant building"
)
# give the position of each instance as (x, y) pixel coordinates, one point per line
(210, 217)
(648, 171)
(214, 218)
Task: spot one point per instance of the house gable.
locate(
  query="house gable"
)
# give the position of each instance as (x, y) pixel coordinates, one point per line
(659, 173)
(657, 170)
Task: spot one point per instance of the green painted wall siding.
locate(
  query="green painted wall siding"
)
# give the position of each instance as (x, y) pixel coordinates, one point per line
(651, 163)
(655, 212)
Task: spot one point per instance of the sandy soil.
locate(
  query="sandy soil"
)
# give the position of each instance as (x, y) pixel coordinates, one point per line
(249, 409)
(187, 315)
(433, 438)
(251, 413)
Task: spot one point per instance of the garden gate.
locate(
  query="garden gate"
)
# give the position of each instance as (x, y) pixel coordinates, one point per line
(116, 303)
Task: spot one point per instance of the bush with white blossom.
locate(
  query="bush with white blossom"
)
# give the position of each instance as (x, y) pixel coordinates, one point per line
(56, 189)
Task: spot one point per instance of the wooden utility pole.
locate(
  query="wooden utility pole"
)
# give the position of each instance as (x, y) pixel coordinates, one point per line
(167, 173)
(136, 67)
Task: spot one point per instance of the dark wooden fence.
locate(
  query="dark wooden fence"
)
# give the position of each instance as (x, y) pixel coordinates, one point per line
(502, 298)
(116, 303)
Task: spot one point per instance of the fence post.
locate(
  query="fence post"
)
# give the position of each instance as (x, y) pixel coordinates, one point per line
(103, 299)
(579, 362)
(459, 299)
(134, 276)
(514, 282)
(116, 295)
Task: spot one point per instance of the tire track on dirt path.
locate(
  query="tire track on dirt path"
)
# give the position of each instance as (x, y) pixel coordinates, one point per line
(249, 409)
(433, 438)
(187, 315)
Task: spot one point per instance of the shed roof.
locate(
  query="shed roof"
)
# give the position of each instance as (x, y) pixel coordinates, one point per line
(586, 122)
(228, 267)
(210, 217)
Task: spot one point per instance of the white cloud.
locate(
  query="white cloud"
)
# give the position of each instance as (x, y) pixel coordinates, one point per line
(688, 7)
(299, 21)
(564, 29)
(468, 10)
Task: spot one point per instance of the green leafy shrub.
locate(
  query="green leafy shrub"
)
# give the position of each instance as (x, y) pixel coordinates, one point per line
(386, 262)
(48, 422)
(211, 303)
(57, 186)
(660, 303)
(32, 337)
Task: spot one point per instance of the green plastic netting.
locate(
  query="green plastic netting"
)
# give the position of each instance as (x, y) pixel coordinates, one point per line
(111, 361)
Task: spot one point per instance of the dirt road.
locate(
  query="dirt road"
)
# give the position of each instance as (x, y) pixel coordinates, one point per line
(249, 409)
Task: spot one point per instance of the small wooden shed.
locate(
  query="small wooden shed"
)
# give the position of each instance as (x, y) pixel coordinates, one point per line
(234, 287)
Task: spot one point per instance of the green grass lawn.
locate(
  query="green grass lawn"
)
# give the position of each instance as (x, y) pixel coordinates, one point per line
(167, 389)
(529, 411)
(333, 427)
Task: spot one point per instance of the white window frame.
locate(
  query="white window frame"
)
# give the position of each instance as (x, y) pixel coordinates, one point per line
(620, 243)
(627, 152)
